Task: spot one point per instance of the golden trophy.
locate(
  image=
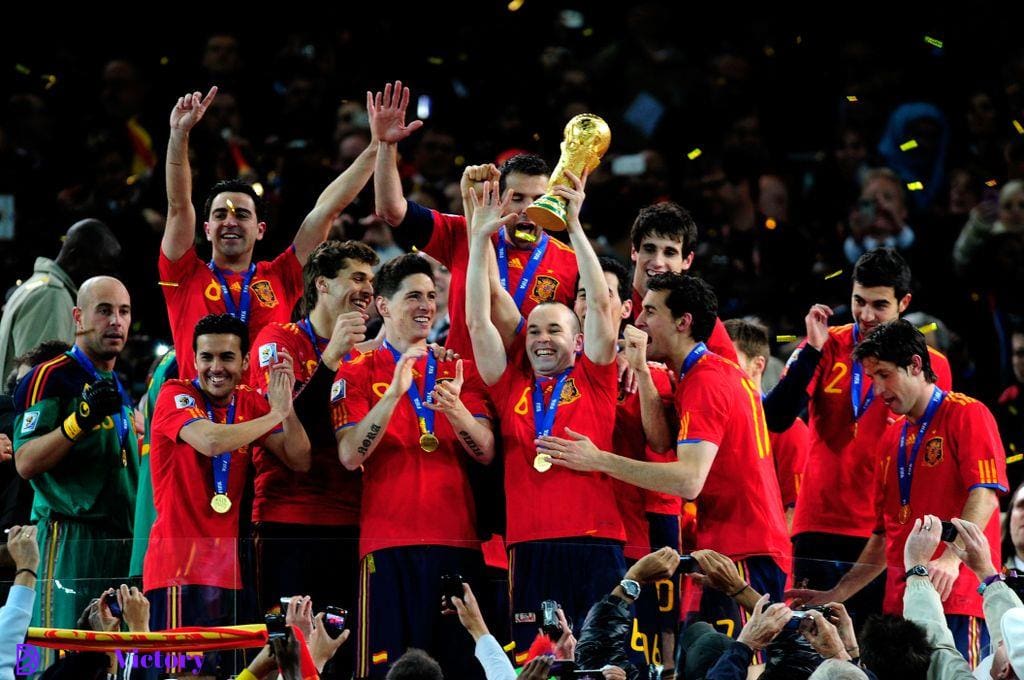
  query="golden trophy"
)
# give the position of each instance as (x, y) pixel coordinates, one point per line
(586, 140)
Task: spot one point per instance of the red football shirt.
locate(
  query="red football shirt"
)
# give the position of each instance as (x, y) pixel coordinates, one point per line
(326, 495)
(559, 503)
(192, 291)
(790, 450)
(837, 496)
(189, 543)
(555, 278)
(961, 451)
(410, 497)
(629, 441)
(739, 510)
(720, 343)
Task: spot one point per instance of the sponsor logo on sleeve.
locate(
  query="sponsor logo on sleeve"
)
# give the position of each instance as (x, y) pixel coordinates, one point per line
(184, 401)
(29, 422)
(338, 390)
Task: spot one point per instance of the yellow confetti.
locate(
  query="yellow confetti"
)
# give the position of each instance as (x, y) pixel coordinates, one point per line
(587, 32)
(1013, 447)
(908, 145)
(785, 338)
(231, 206)
(934, 42)
(1015, 459)
(50, 79)
(515, 5)
(1018, 127)
(258, 188)
(799, 40)
(435, 61)
(131, 179)
(929, 328)
(164, 61)
(852, 98)
(770, 223)
(991, 183)
(695, 154)
(169, 284)
(769, 51)
(460, 160)
(834, 274)
(915, 186)
(22, 69)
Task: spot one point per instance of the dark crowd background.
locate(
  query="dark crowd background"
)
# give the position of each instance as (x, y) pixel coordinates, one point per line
(762, 122)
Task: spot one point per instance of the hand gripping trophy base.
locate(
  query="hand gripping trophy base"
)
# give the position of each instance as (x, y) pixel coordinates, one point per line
(548, 212)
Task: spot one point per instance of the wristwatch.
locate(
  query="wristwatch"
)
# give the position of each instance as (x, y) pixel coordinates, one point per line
(916, 570)
(630, 587)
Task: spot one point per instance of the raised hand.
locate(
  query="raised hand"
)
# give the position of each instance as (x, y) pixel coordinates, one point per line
(279, 394)
(190, 109)
(445, 396)
(403, 377)
(634, 343)
(489, 212)
(387, 114)
(574, 197)
(816, 322)
(349, 330)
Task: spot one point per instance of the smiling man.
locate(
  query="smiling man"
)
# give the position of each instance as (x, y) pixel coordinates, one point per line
(835, 512)
(256, 293)
(75, 440)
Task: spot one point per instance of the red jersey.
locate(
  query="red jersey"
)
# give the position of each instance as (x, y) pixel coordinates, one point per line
(790, 451)
(192, 291)
(326, 495)
(739, 511)
(554, 279)
(410, 497)
(836, 496)
(629, 441)
(961, 451)
(558, 503)
(191, 544)
(720, 343)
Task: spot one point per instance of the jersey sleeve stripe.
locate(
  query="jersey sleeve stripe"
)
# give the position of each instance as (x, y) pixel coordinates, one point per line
(42, 375)
(998, 487)
(689, 441)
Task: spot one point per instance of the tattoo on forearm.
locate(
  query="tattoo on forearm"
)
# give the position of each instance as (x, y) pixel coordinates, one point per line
(367, 442)
(471, 444)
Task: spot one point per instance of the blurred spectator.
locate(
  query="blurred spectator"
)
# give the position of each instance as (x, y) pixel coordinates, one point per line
(1009, 413)
(879, 218)
(926, 125)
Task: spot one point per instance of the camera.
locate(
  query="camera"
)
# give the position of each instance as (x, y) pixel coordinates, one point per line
(451, 586)
(276, 628)
(687, 565)
(548, 618)
(110, 599)
(801, 614)
(334, 620)
(949, 532)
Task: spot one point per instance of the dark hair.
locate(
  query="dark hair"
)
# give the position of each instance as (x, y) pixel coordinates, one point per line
(751, 338)
(894, 648)
(883, 267)
(221, 324)
(688, 295)
(896, 341)
(525, 164)
(612, 265)
(44, 351)
(329, 258)
(790, 657)
(233, 186)
(1008, 549)
(666, 220)
(415, 664)
(390, 277)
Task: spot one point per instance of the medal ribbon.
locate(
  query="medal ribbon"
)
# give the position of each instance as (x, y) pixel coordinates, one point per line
(121, 421)
(531, 265)
(904, 467)
(859, 406)
(240, 312)
(692, 358)
(424, 415)
(544, 418)
(222, 461)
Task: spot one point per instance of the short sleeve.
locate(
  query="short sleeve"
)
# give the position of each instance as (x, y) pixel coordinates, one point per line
(980, 455)
(173, 271)
(288, 270)
(474, 393)
(703, 411)
(176, 407)
(446, 231)
(350, 394)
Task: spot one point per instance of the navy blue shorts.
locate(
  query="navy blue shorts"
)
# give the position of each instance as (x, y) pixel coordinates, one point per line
(400, 607)
(180, 606)
(971, 636)
(657, 609)
(575, 572)
(820, 560)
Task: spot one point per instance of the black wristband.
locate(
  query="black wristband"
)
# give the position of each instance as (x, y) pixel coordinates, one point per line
(745, 586)
(26, 569)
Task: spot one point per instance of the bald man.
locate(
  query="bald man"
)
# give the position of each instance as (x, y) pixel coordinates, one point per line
(40, 309)
(74, 439)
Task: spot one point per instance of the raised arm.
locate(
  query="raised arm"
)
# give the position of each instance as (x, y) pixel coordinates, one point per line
(600, 330)
(179, 232)
(387, 125)
(652, 412)
(488, 348)
(291, 445)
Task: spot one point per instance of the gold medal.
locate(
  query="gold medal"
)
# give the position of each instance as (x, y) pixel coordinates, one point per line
(428, 442)
(220, 503)
(541, 462)
(904, 514)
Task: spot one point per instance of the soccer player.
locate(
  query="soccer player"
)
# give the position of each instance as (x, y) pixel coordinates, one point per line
(723, 453)
(533, 266)
(203, 431)
(417, 518)
(301, 517)
(564, 528)
(942, 458)
(75, 440)
(834, 515)
(663, 238)
(789, 448)
(256, 293)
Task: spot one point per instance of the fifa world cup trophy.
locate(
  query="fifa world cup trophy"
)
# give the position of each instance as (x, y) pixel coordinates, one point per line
(586, 140)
